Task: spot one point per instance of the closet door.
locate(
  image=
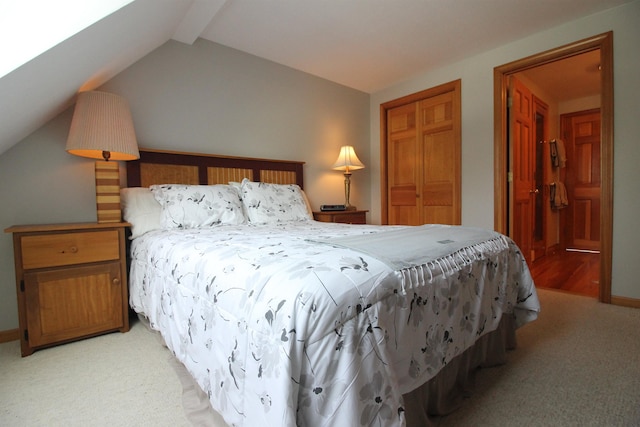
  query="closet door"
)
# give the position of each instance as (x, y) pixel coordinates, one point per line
(440, 150)
(403, 158)
(423, 157)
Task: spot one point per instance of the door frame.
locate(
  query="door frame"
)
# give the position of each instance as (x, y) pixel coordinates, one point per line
(604, 42)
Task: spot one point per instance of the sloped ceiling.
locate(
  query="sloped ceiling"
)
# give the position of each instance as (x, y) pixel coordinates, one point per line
(364, 44)
(46, 86)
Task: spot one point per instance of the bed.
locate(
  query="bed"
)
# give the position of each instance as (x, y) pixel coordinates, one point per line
(282, 320)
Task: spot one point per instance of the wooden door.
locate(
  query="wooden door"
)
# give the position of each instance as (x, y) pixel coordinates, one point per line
(403, 159)
(542, 171)
(522, 166)
(440, 195)
(422, 157)
(581, 133)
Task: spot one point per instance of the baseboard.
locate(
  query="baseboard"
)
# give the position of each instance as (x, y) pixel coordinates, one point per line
(10, 335)
(625, 301)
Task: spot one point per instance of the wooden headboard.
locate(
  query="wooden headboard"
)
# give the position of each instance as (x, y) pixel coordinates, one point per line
(172, 167)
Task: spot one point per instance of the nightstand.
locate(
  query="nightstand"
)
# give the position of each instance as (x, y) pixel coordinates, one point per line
(345, 217)
(71, 281)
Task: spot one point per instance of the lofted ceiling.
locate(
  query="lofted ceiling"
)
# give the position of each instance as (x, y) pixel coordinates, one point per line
(363, 44)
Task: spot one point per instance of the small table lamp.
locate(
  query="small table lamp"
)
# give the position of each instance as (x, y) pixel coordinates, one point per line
(347, 161)
(102, 128)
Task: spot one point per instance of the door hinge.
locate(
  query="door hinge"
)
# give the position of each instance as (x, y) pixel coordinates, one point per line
(509, 102)
(26, 335)
(509, 176)
(22, 285)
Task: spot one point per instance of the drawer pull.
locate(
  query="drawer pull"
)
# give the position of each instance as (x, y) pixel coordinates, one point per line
(115, 281)
(72, 249)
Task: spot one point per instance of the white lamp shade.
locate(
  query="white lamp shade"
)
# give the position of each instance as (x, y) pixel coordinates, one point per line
(347, 160)
(102, 123)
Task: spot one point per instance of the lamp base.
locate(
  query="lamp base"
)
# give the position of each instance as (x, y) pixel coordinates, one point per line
(108, 192)
(347, 192)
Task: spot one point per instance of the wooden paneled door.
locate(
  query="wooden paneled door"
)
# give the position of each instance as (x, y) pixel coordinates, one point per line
(403, 156)
(542, 214)
(421, 151)
(581, 222)
(523, 166)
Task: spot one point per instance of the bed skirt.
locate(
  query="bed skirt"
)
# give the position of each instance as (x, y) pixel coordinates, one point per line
(445, 392)
(438, 397)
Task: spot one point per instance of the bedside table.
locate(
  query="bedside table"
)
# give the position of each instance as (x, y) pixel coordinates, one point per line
(345, 217)
(71, 282)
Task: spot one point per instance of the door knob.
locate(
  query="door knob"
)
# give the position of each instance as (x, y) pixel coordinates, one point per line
(536, 191)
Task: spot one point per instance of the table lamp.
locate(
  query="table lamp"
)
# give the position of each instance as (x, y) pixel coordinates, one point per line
(102, 128)
(347, 161)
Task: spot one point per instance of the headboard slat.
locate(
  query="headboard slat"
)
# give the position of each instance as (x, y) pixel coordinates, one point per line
(278, 177)
(217, 175)
(154, 173)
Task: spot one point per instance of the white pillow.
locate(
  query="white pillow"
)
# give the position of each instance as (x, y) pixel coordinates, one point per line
(238, 185)
(196, 206)
(307, 203)
(141, 209)
(273, 203)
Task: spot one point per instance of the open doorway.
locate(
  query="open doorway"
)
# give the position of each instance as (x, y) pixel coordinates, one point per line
(504, 196)
(557, 183)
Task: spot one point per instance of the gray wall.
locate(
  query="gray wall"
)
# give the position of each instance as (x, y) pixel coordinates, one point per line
(201, 98)
(477, 128)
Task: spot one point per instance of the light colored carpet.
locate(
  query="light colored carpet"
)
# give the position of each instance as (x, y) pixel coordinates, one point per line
(577, 365)
(112, 380)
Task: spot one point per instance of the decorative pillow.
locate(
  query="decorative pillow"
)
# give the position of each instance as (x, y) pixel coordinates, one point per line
(238, 185)
(273, 203)
(196, 206)
(141, 209)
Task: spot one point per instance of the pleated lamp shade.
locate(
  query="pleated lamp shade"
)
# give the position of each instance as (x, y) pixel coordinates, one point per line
(102, 125)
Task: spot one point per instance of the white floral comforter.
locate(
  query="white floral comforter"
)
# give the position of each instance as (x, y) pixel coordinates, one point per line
(279, 330)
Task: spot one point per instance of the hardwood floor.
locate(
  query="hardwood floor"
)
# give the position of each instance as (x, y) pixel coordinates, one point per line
(574, 272)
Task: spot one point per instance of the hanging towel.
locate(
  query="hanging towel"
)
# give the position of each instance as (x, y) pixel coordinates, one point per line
(553, 151)
(562, 154)
(558, 195)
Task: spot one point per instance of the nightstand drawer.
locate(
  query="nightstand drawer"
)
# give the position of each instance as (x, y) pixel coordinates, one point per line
(344, 217)
(350, 218)
(53, 250)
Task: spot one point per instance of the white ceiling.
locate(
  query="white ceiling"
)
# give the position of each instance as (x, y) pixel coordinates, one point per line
(363, 44)
(371, 44)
